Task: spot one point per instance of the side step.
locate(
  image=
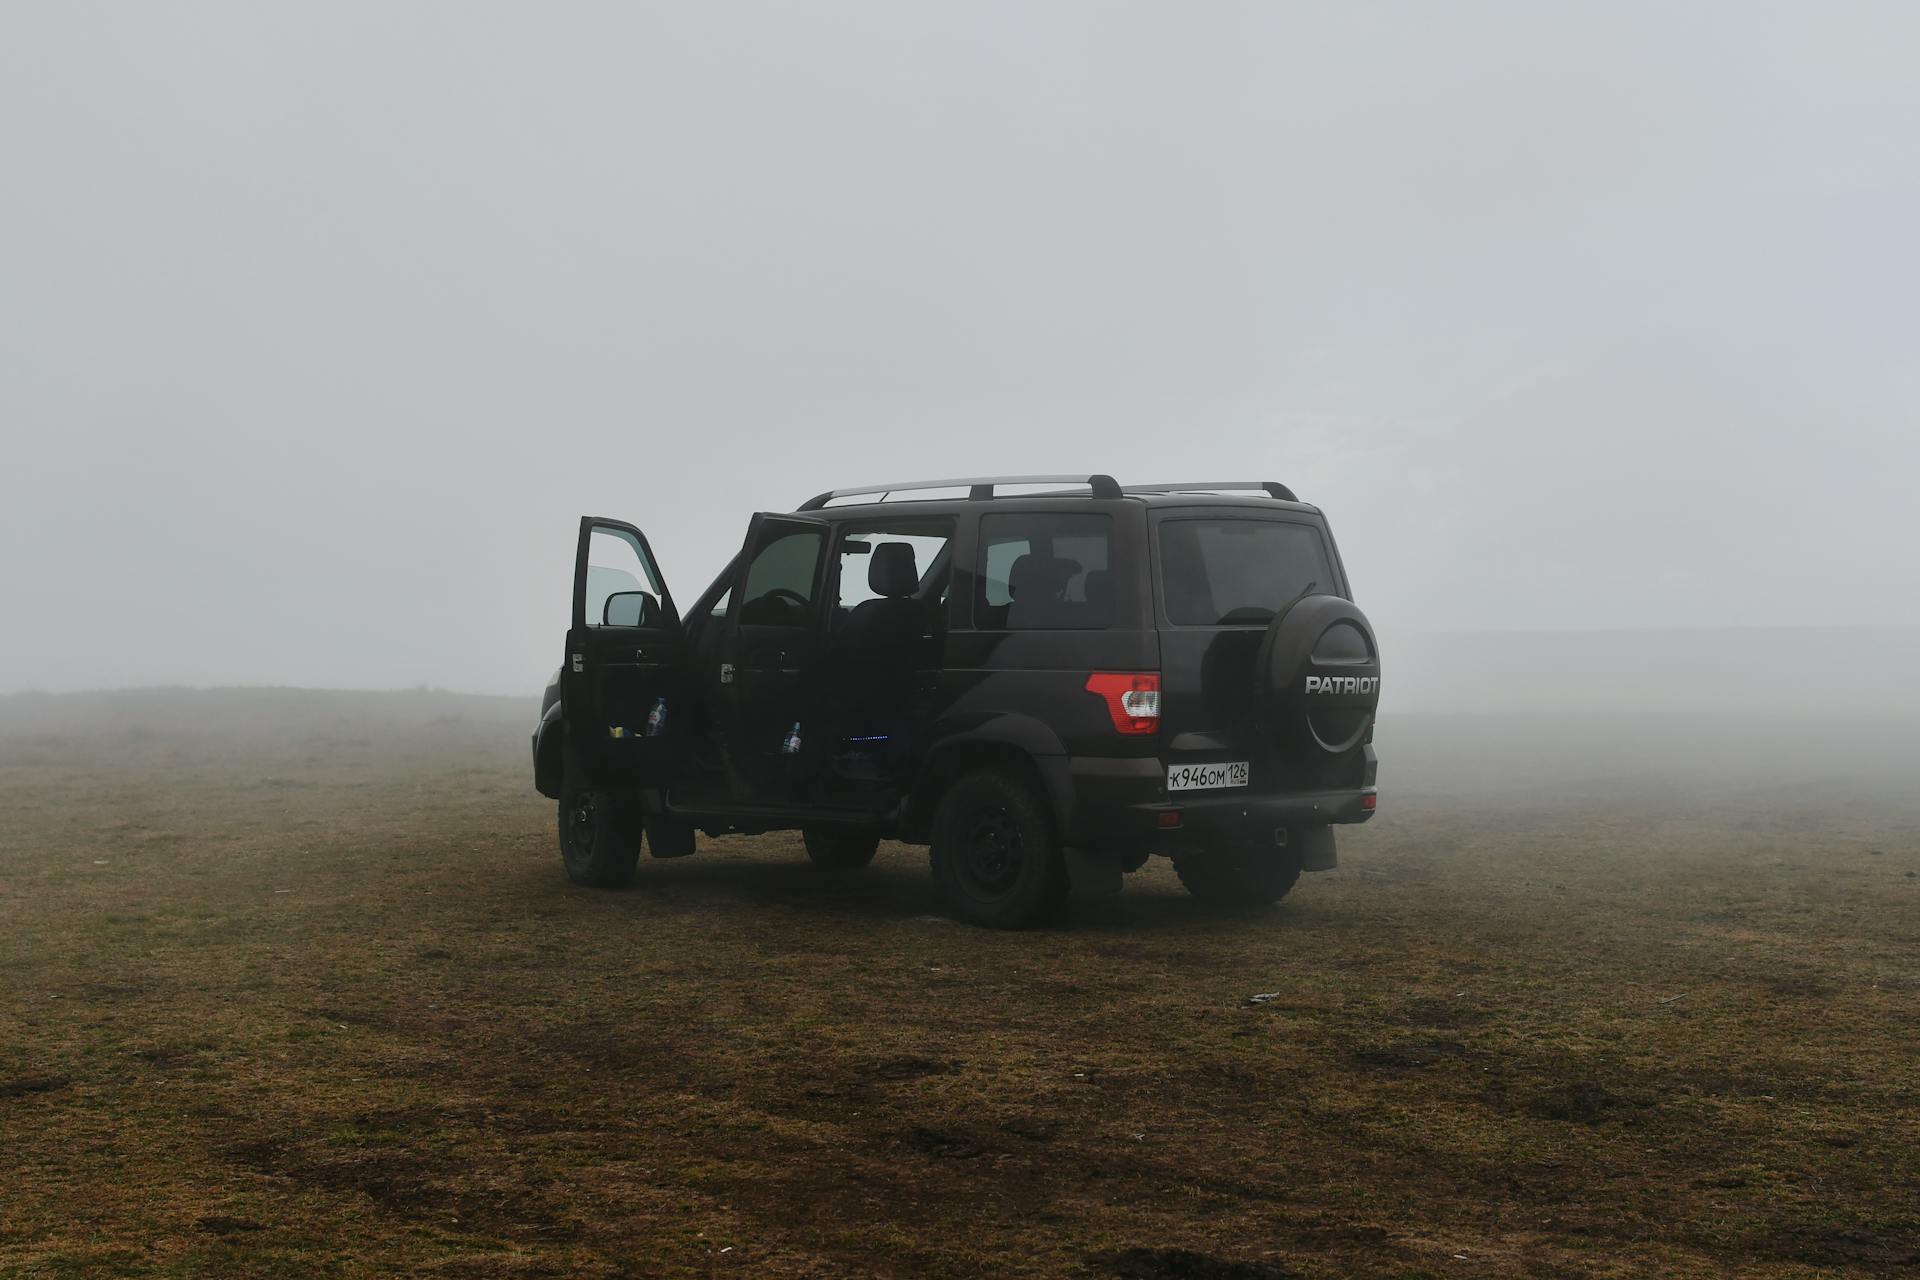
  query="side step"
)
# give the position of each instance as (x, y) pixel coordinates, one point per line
(777, 817)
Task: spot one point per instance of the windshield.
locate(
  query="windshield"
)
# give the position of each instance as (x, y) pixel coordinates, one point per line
(1224, 572)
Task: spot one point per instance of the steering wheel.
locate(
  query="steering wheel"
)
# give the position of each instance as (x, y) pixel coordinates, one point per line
(799, 602)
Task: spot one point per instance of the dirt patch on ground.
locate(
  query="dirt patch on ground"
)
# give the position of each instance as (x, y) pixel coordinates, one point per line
(1183, 1264)
(22, 1086)
(410, 1183)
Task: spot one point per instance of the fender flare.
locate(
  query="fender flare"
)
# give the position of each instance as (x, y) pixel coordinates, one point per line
(998, 733)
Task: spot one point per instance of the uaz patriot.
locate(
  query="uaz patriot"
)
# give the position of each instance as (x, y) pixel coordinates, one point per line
(1043, 679)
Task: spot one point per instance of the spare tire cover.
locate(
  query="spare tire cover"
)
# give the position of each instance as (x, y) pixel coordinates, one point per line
(1318, 677)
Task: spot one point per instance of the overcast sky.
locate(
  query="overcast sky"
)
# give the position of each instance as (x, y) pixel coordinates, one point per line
(320, 324)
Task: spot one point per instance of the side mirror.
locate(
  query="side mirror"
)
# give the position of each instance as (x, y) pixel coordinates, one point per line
(630, 609)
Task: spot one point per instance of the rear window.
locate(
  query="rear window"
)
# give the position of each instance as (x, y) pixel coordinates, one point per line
(1224, 572)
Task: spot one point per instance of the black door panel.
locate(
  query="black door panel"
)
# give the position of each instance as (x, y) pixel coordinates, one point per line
(771, 653)
(624, 676)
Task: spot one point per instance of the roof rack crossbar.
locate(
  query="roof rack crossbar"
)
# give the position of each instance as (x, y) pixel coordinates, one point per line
(1273, 488)
(979, 488)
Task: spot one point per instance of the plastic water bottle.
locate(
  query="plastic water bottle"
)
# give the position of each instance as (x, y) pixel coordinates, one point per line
(790, 745)
(657, 719)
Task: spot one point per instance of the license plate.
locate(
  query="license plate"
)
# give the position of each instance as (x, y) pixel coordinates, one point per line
(1206, 777)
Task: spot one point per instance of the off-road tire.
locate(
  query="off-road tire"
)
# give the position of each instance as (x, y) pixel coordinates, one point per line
(996, 859)
(598, 845)
(1253, 877)
(839, 849)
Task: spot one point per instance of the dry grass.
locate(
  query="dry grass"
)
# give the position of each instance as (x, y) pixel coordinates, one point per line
(306, 993)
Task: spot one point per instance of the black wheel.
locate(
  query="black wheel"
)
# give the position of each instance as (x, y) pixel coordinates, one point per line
(597, 843)
(1238, 877)
(996, 861)
(839, 849)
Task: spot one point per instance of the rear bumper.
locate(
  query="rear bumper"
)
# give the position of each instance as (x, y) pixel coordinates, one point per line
(1124, 805)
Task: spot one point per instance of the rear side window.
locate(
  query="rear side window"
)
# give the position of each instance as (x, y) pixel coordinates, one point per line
(1224, 572)
(1044, 572)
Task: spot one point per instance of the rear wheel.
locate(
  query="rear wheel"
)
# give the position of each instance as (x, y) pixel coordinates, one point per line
(839, 849)
(996, 861)
(1239, 877)
(597, 845)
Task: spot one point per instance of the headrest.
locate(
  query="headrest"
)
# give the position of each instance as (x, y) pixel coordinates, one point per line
(1035, 578)
(1098, 589)
(891, 570)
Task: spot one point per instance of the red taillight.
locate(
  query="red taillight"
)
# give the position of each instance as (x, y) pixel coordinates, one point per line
(1369, 801)
(1133, 698)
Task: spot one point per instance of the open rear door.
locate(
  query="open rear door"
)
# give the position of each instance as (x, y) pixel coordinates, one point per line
(623, 685)
(772, 648)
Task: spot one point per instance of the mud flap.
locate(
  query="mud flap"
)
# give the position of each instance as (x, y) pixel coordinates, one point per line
(1092, 874)
(1313, 846)
(669, 837)
(547, 756)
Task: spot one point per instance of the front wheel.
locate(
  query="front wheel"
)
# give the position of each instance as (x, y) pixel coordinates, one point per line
(839, 849)
(996, 861)
(1238, 877)
(597, 845)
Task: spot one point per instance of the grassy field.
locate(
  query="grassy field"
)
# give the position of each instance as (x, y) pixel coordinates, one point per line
(301, 990)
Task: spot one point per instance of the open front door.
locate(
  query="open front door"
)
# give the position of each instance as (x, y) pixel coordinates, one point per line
(623, 685)
(771, 655)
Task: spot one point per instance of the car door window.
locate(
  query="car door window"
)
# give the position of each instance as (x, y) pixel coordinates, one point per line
(856, 576)
(1044, 572)
(622, 586)
(890, 585)
(780, 580)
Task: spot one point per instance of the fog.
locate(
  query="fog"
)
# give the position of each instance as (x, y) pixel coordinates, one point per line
(321, 324)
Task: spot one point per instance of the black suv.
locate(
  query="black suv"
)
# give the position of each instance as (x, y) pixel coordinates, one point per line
(1042, 686)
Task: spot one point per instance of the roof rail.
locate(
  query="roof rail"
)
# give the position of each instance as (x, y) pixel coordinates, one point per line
(1273, 488)
(977, 487)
